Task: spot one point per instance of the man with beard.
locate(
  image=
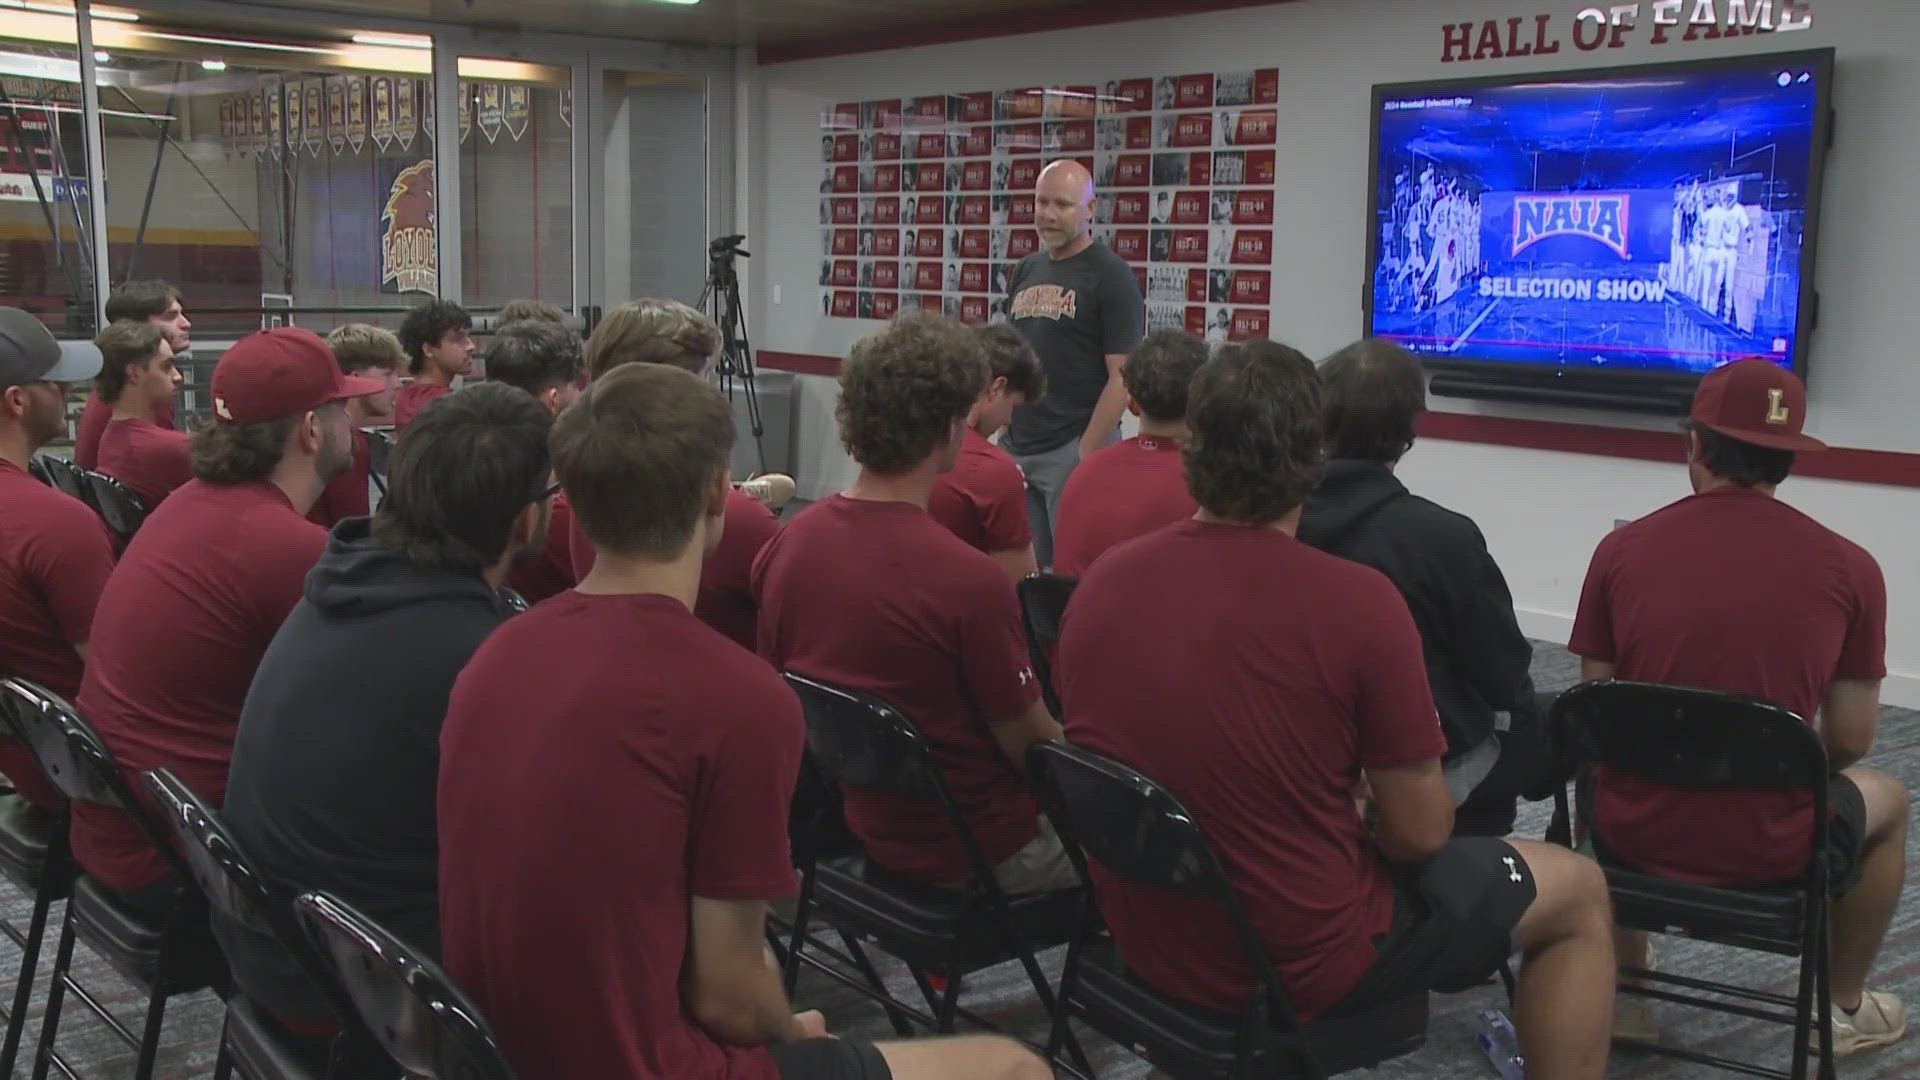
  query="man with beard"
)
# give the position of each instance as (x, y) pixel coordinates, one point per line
(337, 754)
(54, 554)
(205, 584)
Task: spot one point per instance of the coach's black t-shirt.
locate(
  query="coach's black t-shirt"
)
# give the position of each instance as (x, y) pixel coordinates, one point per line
(1074, 312)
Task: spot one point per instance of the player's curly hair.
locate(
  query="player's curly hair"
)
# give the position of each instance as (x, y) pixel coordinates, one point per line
(902, 389)
(652, 331)
(426, 325)
(1159, 370)
(1009, 357)
(1254, 412)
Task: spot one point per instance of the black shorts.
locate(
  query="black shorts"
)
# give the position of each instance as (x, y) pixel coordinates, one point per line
(829, 1059)
(1453, 924)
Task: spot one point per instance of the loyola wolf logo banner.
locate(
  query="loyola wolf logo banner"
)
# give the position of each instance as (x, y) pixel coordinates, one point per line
(409, 222)
(1598, 216)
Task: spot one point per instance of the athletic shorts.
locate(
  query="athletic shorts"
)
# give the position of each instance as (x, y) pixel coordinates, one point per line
(829, 1059)
(1453, 924)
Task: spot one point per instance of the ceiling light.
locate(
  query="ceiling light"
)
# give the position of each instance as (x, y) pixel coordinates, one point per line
(681, 2)
(101, 57)
(113, 13)
(213, 65)
(396, 41)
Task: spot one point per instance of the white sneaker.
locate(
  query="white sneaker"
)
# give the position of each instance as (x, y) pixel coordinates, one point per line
(774, 490)
(1880, 1020)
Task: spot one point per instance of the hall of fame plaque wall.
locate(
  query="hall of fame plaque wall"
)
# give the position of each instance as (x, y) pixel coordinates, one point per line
(927, 202)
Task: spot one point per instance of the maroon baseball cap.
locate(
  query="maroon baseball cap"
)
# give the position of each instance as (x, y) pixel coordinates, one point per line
(278, 373)
(1755, 401)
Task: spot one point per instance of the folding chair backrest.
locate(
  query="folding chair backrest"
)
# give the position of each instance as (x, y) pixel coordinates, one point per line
(514, 601)
(118, 505)
(431, 1028)
(37, 468)
(67, 477)
(379, 448)
(1684, 737)
(859, 740)
(68, 750)
(231, 884)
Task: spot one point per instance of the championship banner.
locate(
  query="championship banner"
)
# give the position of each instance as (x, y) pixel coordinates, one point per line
(276, 139)
(466, 111)
(295, 117)
(490, 110)
(382, 111)
(518, 110)
(312, 136)
(566, 106)
(405, 93)
(357, 111)
(426, 110)
(226, 126)
(337, 114)
(257, 122)
(408, 262)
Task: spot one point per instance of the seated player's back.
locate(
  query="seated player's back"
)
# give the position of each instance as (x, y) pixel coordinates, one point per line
(1119, 492)
(1738, 592)
(726, 601)
(983, 498)
(192, 605)
(646, 760)
(152, 460)
(877, 596)
(1254, 677)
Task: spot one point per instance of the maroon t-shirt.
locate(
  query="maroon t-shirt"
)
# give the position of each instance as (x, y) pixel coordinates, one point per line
(875, 596)
(413, 397)
(95, 415)
(346, 495)
(1119, 492)
(549, 571)
(1735, 591)
(55, 556)
(1254, 677)
(196, 598)
(726, 600)
(983, 500)
(146, 457)
(569, 853)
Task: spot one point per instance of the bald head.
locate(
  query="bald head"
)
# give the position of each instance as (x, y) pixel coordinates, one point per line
(1063, 207)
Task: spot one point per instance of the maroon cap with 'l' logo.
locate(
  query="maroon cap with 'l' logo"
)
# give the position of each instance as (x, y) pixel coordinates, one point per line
(1755, 401)
(278, 373)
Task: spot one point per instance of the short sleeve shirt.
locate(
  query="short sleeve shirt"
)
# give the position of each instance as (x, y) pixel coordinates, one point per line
(1680, 597)
(1075, 312)
(413, 397)
(549, 571)
(95, 415)
(1119, 492)
(1203, 656)
(197, 597)
(983, 499)
(146, 457)
(670, 779)
(726, 600)
(55, 557)
(875, 596)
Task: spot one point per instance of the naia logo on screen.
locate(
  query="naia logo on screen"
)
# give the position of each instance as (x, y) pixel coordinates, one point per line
(1596, 217)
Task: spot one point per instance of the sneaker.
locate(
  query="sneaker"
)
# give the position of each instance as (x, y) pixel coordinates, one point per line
(774, 490)
(1633, 1020)
(1879, 1021)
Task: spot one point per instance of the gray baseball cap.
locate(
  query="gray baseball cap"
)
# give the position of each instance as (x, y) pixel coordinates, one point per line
(29, 353)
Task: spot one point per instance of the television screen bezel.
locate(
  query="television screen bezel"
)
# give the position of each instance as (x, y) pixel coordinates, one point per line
(1806, 313)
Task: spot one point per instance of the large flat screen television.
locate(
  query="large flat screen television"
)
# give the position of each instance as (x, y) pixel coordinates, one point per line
(1601, 236)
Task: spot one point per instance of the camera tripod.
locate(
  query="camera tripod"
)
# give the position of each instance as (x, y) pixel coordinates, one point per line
(720, 300)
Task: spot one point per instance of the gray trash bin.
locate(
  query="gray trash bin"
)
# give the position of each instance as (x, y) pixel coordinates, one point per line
(775, 393)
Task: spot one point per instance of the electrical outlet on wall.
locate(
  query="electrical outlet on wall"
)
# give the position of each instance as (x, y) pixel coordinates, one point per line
(776, 294)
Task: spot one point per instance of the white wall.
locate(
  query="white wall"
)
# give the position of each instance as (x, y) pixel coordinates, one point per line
(1542, 512)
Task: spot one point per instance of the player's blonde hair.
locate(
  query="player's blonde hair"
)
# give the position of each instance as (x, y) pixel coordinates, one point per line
(652, 331)
(358, 346)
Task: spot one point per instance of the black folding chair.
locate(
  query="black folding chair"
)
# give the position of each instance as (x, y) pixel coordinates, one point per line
(514, 601)
(118, 505)
(1135, 829)
(35, 857)
(251, 1042)
(1043, 603)
(856, 740)
(174, 955)
(65, 477)
(379, 449)
(415, 1011)
(1703, 739)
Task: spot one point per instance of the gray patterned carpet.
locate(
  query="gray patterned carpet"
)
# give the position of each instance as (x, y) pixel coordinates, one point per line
(1002, 996)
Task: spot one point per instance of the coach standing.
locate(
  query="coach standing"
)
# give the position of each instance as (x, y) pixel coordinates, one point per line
(1078, 305)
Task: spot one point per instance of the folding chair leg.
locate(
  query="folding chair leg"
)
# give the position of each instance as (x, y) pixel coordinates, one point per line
(1823, 993)
(901, 1025)
(223, 1063)
(56, 993)
(150, 1036)
(949, 1005)
(790, 975)
(29, 964)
